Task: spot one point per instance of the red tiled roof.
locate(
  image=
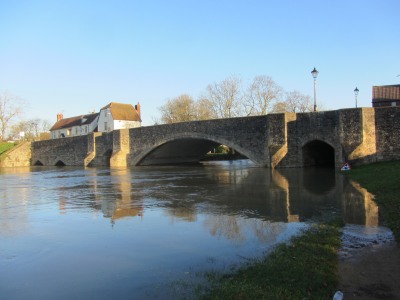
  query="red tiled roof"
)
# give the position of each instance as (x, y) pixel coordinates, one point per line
(74, 121)
(121, 111)
(385, 93)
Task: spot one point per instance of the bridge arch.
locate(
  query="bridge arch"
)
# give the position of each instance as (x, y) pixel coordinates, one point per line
(184, 148)
(38, 163)
(318, 153)
(60, 163)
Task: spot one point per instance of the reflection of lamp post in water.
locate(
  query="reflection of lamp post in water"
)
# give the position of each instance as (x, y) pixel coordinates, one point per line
(314, 74)
(356, 94)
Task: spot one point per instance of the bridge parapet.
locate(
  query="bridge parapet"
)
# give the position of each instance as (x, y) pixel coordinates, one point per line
(357, 136)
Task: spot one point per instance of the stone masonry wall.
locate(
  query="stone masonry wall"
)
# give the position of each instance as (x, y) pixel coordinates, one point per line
(307, 127)
(246, 135)
(350, 132)
(358, 136)
(19, 156)
(103, 144)
(70, 151)
(387, 133)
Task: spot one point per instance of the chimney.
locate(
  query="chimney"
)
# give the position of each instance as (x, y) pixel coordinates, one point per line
(59, 116)
(137, 107)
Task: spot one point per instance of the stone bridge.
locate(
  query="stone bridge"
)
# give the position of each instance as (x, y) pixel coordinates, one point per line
(358, 136)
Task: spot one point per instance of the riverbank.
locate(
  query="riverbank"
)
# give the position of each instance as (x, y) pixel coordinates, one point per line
(382, 180)
(300, 271)
(5, 146)
(373, 272)
(306, 268)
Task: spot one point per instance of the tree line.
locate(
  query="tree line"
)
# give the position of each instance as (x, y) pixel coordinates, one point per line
(228, 98)
(11, 107)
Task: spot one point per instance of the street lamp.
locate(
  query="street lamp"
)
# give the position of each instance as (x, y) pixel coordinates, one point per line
(314, 74)
(356, 94)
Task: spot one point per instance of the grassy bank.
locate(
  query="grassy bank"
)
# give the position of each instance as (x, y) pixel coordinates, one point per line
(304, 269)
(383, 180)
(4, 146)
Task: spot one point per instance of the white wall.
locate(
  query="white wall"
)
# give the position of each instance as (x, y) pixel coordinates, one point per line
(106, 122)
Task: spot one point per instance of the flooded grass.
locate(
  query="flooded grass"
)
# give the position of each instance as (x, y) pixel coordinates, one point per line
(306, 268)
(382, 180)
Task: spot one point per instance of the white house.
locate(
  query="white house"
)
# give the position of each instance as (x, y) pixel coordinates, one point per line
(111, 117)
(119, 116)
(74, 126)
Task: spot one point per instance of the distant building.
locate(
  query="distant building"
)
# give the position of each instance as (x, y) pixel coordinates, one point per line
(386, 95)
(119, 116)
(111, 117)
(74, 126)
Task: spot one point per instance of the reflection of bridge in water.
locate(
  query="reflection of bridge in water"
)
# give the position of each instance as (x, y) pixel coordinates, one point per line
(232, 195)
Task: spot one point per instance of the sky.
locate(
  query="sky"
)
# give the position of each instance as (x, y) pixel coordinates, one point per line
(75, 57)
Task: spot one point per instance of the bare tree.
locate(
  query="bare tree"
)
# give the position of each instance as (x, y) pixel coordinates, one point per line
(294, 102)
(10, 108)
(183, 108)
(225, 97)
(298, 102)
(204, 109)
(179, 109)
(261, 94)
(45, 125)
(32, 129)
(279, 107)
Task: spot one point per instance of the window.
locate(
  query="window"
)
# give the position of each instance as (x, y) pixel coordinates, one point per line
(68, 132)
(86, 129)
(105, 126)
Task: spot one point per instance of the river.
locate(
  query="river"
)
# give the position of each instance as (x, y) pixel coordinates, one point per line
(152, 232)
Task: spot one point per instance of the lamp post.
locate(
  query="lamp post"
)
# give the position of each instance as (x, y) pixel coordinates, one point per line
(356, 94)
(314, 74)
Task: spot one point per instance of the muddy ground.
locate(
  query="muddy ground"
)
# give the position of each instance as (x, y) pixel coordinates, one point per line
(369, 268)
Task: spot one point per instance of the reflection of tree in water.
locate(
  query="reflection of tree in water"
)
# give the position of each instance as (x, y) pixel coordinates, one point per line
(182, 213)
(239, 229)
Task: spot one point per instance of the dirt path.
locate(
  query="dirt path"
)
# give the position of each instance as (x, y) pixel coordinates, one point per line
(371, 272)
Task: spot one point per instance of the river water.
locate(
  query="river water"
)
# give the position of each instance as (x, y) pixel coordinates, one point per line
(151, 232)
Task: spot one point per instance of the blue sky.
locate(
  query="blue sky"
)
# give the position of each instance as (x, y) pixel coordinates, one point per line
(77, 56)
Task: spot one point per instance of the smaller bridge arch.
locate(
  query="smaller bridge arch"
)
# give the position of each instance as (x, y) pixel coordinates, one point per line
(38, 163)
(60, 163)
(318, 153)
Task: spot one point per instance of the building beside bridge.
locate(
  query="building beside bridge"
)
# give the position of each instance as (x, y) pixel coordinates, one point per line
(111, 117)
(386, 95)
